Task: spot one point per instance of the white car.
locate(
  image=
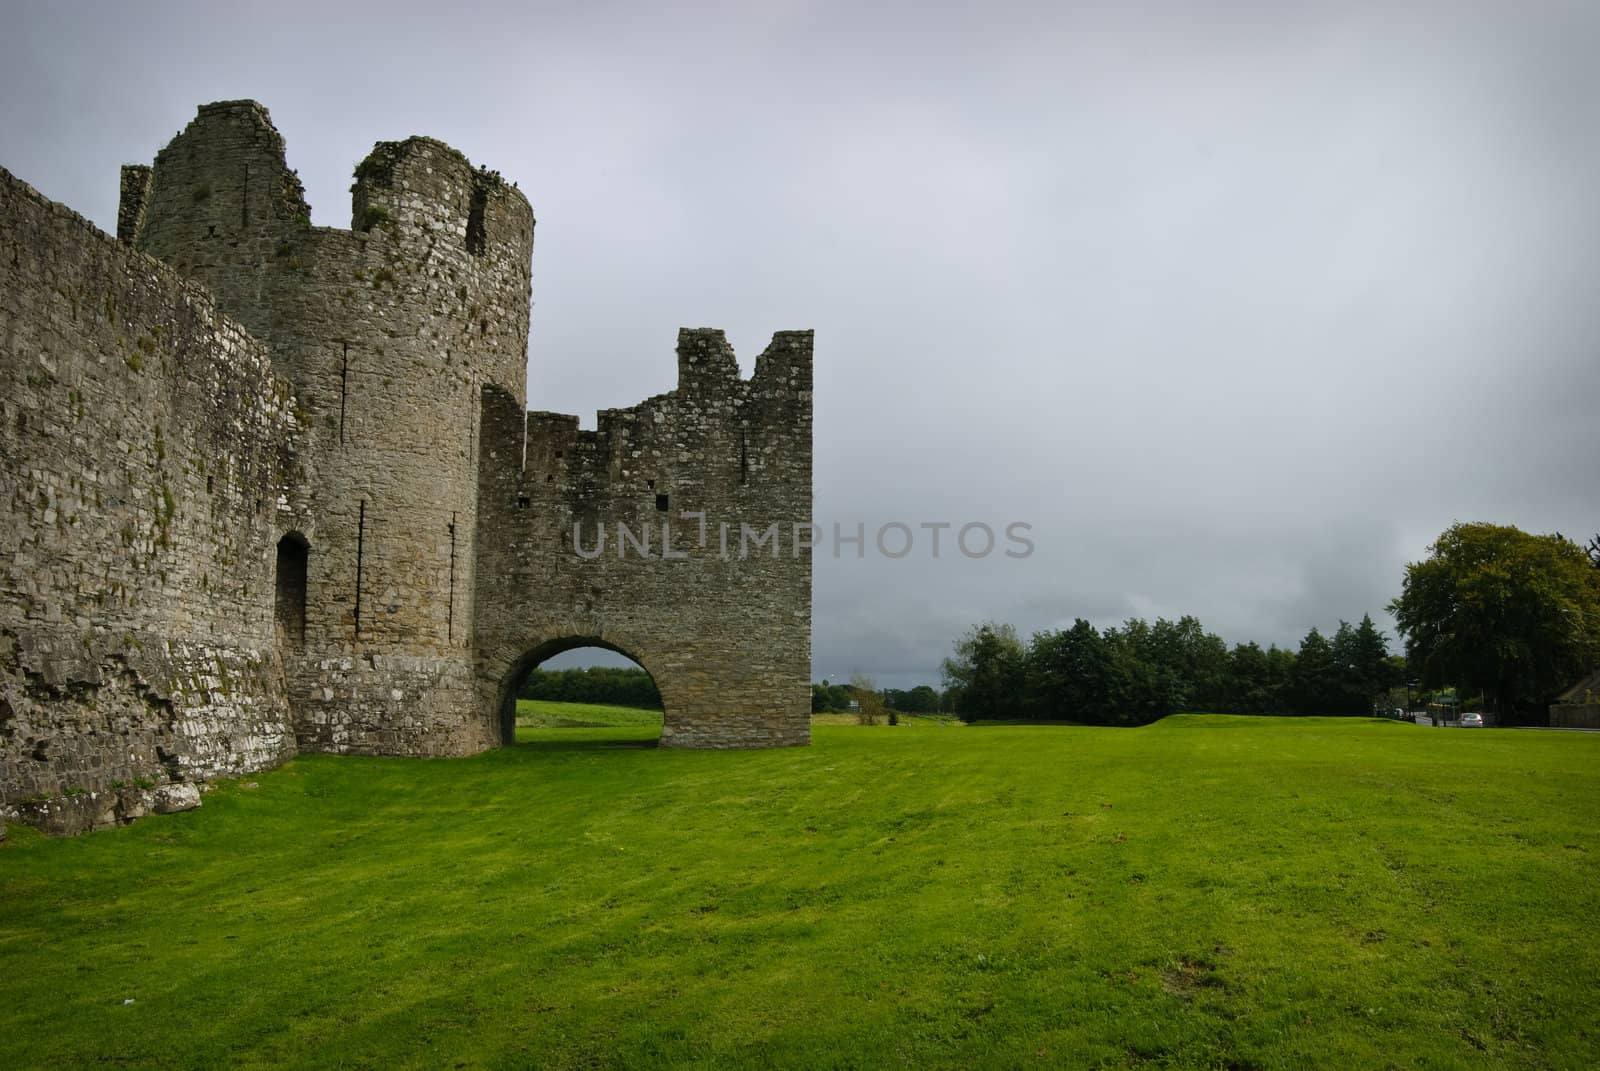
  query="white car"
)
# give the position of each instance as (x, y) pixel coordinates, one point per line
(1471, 720)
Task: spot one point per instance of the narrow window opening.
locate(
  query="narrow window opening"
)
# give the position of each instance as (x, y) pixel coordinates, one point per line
(244, 199)
(211, 230)
(744, 458)
(361, 546)
(344, 389)
(523, 501)
(477, 235)
(289, 604)
(558, 455)
(210, 485)
(650, 484)
(661, 503)
(450, 614)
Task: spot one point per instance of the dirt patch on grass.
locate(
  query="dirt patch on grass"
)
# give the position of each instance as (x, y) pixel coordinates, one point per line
(1190, 975)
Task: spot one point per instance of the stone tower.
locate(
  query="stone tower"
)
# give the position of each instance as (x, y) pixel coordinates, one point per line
(388, 332)
(341, 438)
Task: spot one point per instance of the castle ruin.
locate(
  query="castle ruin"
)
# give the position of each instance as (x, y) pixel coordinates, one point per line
(272, 488)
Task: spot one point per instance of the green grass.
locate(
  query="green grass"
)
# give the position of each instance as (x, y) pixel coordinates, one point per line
(1203, 892)
(540, 714)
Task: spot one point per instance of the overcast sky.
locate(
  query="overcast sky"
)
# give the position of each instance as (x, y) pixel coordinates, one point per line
(1238, 305)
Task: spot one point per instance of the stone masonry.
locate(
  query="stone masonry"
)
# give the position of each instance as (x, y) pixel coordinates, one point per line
(273, 489)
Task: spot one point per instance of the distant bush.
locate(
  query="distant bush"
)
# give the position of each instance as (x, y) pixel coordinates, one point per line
(869, 701)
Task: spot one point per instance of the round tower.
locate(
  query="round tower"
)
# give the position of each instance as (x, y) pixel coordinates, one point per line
(389, 332)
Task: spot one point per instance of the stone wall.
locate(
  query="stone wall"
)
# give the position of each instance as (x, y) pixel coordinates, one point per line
(146, 448)
(1575, 715)
(723, 625)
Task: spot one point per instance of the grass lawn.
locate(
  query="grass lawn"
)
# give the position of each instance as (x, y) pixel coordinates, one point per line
(1203, 892)
(539, 714)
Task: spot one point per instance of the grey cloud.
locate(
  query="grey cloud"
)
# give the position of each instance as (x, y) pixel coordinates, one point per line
(1239, 304)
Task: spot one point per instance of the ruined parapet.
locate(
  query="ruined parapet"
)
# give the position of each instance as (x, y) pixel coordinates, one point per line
(215, 205)
(131, 202)
(466, 235)
(677, 532)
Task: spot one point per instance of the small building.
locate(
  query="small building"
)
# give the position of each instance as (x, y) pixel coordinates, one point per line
(1579, 706)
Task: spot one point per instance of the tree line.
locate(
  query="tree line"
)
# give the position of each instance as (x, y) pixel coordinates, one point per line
(618, 686)
(1138, 672)
(1492, 610)
(1513, 616)
(829, 698)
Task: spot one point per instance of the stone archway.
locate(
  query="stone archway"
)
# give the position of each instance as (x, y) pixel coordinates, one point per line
(719, 687)
(512, 677)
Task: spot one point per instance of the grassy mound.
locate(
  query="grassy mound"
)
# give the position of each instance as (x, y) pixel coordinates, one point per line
(1203, 892)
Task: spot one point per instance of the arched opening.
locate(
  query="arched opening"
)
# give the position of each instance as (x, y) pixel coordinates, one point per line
(580, 692)
(289, 603)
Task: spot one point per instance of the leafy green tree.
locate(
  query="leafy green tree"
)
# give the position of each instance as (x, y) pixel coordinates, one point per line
(1164, 668)
(1376, 668)
(919, 700)
(1344, 694)
(1202, 660)
(1495, 608)
(1314, 686)
(1361, 666)
(830, 698)
(869, 701)
(1071, 675)
(1250, 674)
(1143, 688)
(988, 668)
(1280, 678)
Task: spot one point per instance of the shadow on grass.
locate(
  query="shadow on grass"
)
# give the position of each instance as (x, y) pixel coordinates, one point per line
(1004, 723)
(588, 738)
(581, 743)
(1193, 720)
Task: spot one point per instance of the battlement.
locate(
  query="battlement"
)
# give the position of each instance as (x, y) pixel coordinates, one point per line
(423, 184)
(643, 447)
(221, 192)
(420, 180)
(252, 109)
(425, 299)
